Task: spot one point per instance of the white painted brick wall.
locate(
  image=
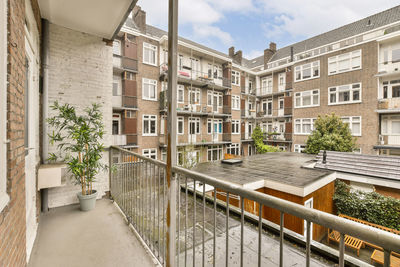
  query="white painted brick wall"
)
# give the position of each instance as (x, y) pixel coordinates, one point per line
(80, 73)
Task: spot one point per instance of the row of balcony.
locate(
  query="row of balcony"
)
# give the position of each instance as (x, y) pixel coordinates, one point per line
(198, 139)
(124, 101)
(122, 63)
(269, 113)
(125, 140)
(198, 78)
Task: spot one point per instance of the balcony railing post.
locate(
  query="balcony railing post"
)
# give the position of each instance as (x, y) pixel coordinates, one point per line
(171, 149)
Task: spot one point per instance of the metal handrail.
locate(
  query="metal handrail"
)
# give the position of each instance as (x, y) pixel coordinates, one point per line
(388, 241)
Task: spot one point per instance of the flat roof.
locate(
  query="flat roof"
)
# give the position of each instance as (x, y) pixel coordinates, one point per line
(283, 167)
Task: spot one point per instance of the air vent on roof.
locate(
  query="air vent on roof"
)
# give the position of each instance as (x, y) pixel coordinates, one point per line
(369, 23)
(231, 161)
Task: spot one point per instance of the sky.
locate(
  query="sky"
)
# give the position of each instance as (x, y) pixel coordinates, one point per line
(250, 25)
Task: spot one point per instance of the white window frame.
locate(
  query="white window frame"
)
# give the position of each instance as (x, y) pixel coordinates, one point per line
(235, 147)
(150, 118)
(302, 68)
(389, 84)
(299, 148)
(163, 124)
(303, 94)
(196, 120)
(333, 62)
(129, 114)
(388, 120)
(148, 152)
(218, 148)
(180, 120)
(180, 88)
(267, 84)
(351, 120)
(117, 47)
(235, 102)
(236, 124)
(150, 47)
(236, 77)
(281, 86)
(302, 121)
(4, 197)
(197, 96)
(151, 83)
(346, 87)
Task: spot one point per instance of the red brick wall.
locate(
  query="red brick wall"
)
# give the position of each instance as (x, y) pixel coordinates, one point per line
(12, 218)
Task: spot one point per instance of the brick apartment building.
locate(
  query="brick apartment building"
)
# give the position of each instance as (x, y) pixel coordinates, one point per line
(351, 71)
(47, 53)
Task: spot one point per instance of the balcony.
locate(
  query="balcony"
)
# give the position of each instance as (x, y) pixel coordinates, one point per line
(389, 140)
(389, 68)
(119, 140)
(203, 232)
(248, 114)
(121, 63)
(389, 105)
(197, 78)
(129, 102)
(198, 139)
(278, 137)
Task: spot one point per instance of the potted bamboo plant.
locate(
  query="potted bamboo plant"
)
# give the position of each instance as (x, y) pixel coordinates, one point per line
(78, 139)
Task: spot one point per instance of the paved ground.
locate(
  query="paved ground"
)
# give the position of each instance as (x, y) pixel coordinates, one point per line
(69, 237)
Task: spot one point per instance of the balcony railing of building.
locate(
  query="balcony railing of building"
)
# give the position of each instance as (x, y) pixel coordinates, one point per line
(389, 140)
(278, 137)
(198, 78)
(125, 63)
(389, 103)
(246, 113)
(138, 186)
(125, 139)
(198, 139)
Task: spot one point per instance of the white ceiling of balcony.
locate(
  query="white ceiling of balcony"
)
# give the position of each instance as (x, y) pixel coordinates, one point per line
(97, 17)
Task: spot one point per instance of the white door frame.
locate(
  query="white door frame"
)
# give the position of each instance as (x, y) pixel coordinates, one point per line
(309, 203)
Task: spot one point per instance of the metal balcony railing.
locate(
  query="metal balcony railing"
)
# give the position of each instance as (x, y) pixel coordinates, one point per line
(198, 139)
(125, 63)
(138, 186)
(277, 137)
(210, 79)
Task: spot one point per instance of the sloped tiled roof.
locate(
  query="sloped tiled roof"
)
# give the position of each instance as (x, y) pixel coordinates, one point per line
(385, 167)
(361, 26)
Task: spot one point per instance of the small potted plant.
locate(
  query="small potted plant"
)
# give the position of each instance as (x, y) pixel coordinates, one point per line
(78, 139)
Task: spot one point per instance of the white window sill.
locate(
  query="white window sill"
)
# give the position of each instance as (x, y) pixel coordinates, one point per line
(149, 135)
(340, 72)
(346, 103)
(313, 106)
(150, 64)
(150, 99)
(306, 79)
(4, 199)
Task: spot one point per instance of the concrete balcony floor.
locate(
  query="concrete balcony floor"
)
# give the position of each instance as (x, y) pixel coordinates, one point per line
(70, 237)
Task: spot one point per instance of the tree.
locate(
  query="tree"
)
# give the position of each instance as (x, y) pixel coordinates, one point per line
(258, 137)
(78, 139)
(330, 133)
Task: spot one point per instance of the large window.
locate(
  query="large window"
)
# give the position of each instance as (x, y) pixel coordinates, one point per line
(149, 54)
(390, 125)
(345, 94)
(391, 89)
(354, 124)
(214, 126)
(149, 125)
(266, 85)
(214, 153)
(3, 105)
(150, 153)
(235, 126)
(236, 102)
(306, 71)
(181, 93)
(149, 89)
(181, 125)
(304, 126)
(233, 149)
(194, 125)
(307, 99)
(194, 96)
(344, 62)
(236, 77)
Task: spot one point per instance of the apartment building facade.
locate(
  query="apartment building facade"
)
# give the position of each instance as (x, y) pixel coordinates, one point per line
(350, 71)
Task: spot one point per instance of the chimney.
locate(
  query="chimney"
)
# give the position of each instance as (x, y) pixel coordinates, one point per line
(268, 53)
(272, 46)
(139, 17)
(238, 56)
(231, 51)
(291, 54)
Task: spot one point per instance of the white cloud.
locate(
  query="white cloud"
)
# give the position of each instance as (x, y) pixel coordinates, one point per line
(200, 15)
(306, 18)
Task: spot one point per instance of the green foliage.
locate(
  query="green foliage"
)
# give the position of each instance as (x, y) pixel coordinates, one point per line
(258, 137)
(371, 207)
(188, 158)
(330, 133)
(78, 142)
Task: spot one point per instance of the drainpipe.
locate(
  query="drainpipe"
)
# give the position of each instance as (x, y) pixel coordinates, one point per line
(45, 100)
